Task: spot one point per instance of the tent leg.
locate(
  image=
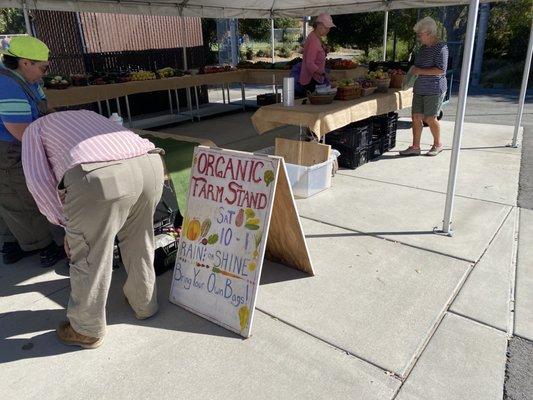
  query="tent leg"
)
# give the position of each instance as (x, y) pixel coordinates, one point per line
(523, 89)
(273, 50)
(385, 29)
(27, 19)
(460, 117)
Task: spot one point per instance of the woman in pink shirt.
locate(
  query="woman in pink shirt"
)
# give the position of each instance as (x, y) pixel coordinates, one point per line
(313, 70)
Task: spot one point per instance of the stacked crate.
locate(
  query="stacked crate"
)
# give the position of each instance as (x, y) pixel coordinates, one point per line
(353, 141)
(383, 134)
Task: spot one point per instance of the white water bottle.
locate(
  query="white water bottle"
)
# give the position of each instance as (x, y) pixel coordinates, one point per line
(116, 119)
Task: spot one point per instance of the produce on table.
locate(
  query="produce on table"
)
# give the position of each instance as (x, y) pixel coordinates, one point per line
(167, 72)
(79, 80)
(56, 82)
(396, 72)
(378, 74)
(213, 69)
(339, 63)
(142, 75)
(365, 83)
(397, 78)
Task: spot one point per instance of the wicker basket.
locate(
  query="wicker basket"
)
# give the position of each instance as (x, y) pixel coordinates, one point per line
(318, 99)
(348, 93)
(368, 91)
(382, 85)
(396, 81)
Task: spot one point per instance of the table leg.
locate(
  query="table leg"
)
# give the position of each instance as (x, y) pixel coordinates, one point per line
(170, 102)
(118, 106)
(227, 87)
(108, 108)
(223, 94)
(197, 102)
(128, 110)
(100, 111)
(177, 100)
(243, 95)
(189, 103)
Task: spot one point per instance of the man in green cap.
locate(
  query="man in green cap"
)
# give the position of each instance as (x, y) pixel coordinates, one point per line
(22, 101)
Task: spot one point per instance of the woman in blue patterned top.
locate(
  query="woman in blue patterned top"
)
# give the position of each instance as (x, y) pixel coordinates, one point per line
(430, 86)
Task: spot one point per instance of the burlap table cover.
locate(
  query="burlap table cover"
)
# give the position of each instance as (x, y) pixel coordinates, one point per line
(322, 119)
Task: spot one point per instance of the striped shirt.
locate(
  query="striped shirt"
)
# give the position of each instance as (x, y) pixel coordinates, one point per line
(431, 57)
(60, 141)
(15, 106)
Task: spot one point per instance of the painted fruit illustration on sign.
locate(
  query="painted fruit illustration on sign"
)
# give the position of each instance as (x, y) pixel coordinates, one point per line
(268, 176)
(206, 225)
(244, 313)
(193, 229)
(239, 219)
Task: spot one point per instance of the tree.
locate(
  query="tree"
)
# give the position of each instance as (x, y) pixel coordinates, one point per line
(508, 30)
(362, 30)
(257, 29)
(12, 21)
(284, 23)
(209, 33)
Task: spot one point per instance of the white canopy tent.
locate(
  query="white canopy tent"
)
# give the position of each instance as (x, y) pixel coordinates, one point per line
(298, 8)
(229, 8)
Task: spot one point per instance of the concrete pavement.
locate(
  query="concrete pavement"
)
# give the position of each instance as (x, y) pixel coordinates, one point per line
(394, 311)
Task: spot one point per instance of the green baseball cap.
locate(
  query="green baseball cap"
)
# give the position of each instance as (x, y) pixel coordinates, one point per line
(27, 47)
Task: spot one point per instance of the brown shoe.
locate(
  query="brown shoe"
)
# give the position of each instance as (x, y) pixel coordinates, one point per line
(67, 335)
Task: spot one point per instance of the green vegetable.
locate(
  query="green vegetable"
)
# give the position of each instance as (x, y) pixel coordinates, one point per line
(212, 239)
(251, 227)
(268, 177)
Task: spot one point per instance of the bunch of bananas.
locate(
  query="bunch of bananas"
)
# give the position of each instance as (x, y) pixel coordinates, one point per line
(142, 75)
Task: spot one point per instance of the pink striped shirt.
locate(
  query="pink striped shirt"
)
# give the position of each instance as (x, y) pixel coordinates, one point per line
(314, 59)
(60, 141)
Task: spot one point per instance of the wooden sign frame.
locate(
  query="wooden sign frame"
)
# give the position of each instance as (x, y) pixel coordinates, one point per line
(202, 282)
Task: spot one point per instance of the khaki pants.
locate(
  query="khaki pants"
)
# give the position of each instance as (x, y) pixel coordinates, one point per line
(103, 201)
(17, 207)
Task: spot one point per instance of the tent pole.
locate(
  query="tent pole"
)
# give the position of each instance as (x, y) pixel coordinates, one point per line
(523, 89)
(272, 40)
(460, 116)
(385, 28)
(27, 19)
(273, 52)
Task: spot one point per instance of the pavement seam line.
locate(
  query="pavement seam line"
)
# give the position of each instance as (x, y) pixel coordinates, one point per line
(512, 274)
(333, 345)
(459, 287)
(477, 321)
(425, 342)
(426, 190)
(389, 240)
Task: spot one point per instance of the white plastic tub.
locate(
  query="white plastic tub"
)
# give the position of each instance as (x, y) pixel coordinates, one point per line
(307, 181)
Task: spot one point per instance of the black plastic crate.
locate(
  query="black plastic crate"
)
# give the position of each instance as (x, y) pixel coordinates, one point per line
(355, 135)
(385, 124)
(375, 149)
(268, 98)
(350, 157)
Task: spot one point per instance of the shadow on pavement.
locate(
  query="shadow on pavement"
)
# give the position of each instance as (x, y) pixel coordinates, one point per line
(30, 333)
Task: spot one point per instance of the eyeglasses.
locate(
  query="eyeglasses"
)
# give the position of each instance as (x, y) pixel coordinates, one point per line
(42, 67)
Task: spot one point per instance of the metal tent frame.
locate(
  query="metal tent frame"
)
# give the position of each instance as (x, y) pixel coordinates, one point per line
(300, 8)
